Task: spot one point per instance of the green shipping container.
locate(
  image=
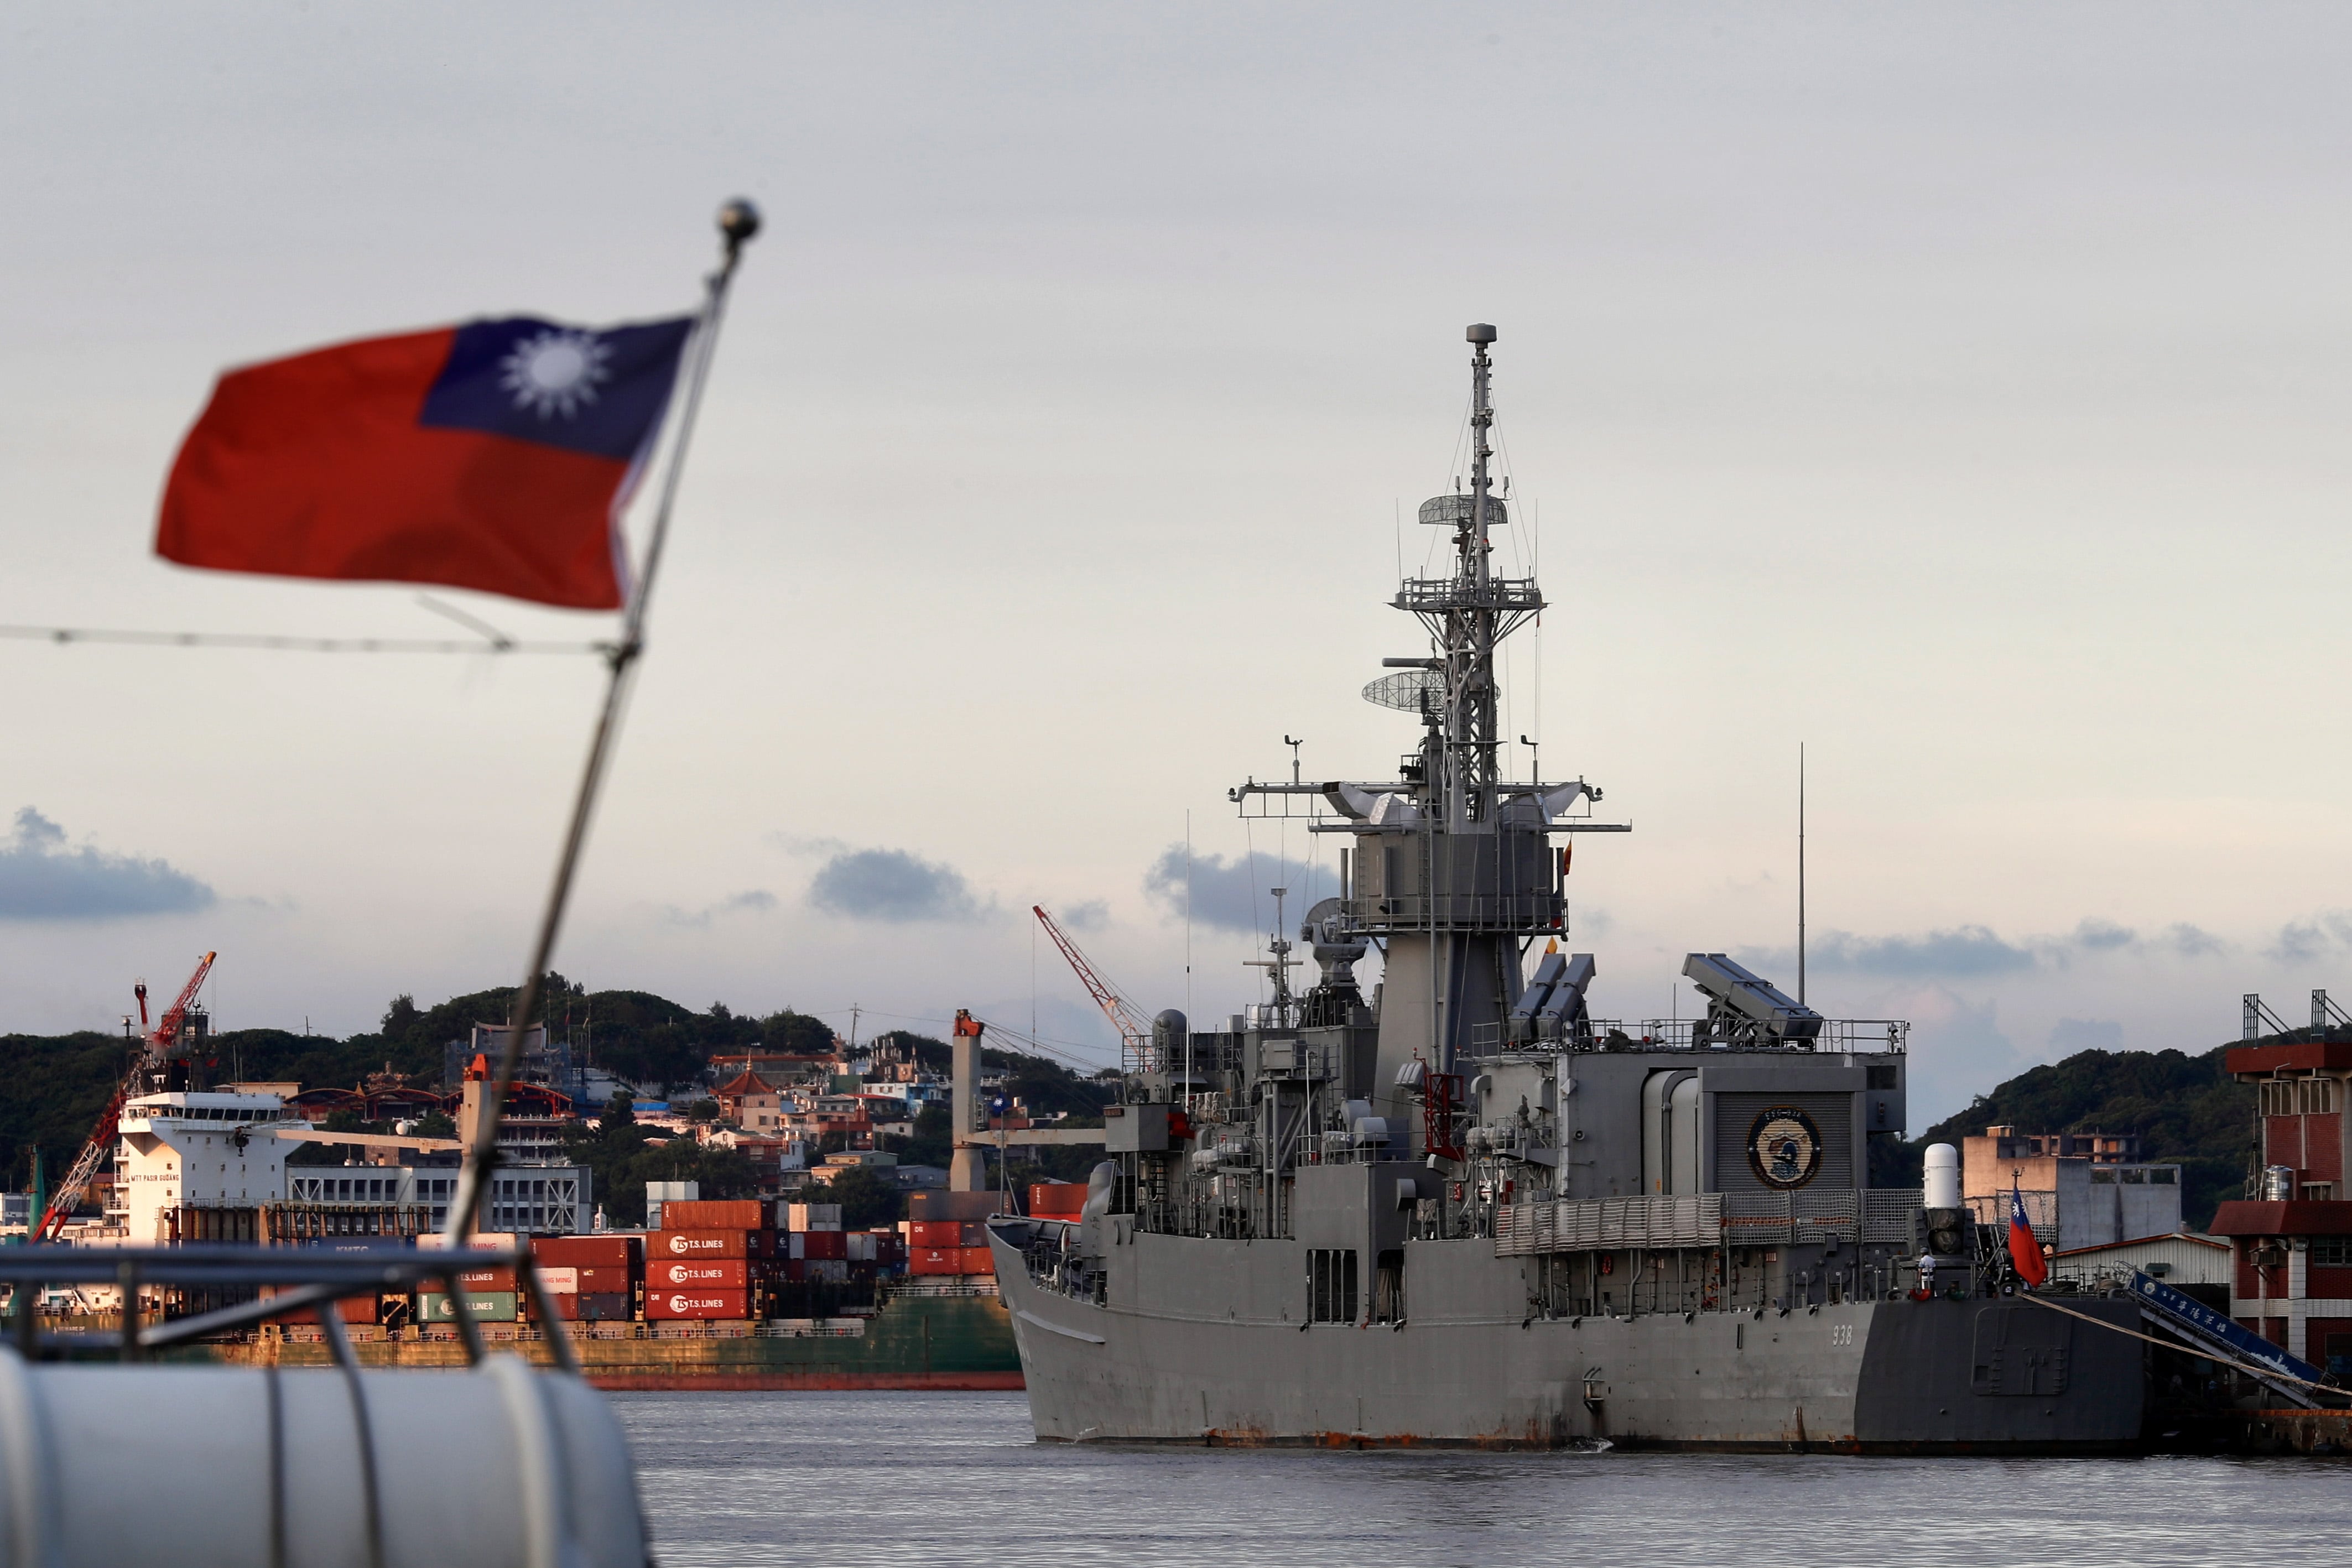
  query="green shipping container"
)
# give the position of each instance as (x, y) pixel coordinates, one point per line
(488, 1307)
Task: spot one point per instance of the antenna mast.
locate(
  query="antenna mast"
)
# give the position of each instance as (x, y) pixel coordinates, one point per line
(1801, 873)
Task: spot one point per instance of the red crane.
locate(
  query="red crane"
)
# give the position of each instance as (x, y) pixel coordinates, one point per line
(156, 1047)
(1134, 1034)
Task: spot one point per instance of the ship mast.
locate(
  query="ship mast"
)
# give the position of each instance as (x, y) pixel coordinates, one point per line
(1467, 616)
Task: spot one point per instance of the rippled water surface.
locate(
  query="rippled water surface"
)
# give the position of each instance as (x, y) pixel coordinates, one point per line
(842, 1480)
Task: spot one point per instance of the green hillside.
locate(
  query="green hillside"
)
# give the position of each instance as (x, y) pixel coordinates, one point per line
(53, 1087)
(2183, 1108)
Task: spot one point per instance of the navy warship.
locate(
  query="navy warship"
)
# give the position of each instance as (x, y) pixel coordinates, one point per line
(1464, 1210)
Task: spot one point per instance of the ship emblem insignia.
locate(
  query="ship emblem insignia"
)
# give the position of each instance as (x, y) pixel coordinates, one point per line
(1784, 1148)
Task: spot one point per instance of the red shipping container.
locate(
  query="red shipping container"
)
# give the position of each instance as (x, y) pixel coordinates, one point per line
(585, 1251)
(1057, 1199)
(794, 1271)
(485, 1280)
(829, 1245)
(351, 1309)
(698, 1303)
(603, 1281)
(977, 1260)
(937, 1232)
(936, 1261)
(718, 1273)
(663, 1245)
(714, 1214)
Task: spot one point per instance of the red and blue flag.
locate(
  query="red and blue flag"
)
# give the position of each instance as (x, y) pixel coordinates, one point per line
(2024, 1252)
(495, 455)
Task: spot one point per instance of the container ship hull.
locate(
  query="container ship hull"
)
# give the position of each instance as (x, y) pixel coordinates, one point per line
(916, 1342)
(1213, 1359)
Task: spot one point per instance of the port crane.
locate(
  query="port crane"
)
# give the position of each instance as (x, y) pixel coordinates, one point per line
(155, 1048)
(1134, 1033)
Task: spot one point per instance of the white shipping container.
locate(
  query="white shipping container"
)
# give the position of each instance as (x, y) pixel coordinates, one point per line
(560, 1282)
(794, 1246)
(861, 1246)
(813, 1217)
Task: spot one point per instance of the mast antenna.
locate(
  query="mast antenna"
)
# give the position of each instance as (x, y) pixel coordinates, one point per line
(1801, 873)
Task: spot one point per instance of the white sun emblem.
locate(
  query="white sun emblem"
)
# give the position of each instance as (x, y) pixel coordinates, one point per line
(554, 372)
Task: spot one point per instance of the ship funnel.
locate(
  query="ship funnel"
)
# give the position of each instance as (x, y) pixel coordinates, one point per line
(1942, 1181)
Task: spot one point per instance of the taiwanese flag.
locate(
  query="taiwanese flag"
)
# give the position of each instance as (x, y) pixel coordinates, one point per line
(493, 455)
(2024, 1251)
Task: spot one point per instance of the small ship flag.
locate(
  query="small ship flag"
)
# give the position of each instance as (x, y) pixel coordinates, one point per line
(495, 454)
(2024, 1252)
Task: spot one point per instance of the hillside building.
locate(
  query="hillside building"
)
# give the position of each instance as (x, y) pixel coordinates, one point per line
(2080, 1189)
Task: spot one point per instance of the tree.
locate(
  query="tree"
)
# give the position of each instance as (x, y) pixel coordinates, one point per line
(867, 1199)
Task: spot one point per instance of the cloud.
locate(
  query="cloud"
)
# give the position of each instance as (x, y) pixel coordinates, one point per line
(1094, 914)
(752, 901)
(2302, 941)
(1967, 952)
(1957, 1047)
(41, 879)
(1964, 950)
(1235, 894)
(2071, 1035)
(2099, 936)
(894, 886)
(2188, 941)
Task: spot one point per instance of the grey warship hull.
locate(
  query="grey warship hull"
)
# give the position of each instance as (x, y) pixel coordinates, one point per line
(1463, 1209)
(1192, 1346)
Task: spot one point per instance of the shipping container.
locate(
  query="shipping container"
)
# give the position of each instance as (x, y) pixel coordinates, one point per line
(936, 1261)
(861, 1245)
(828, 1271)
(812, 1217)
(796, 1270)
(586, 1251)
(1057, 1199)
(488, 1307)
(697, 1304)
(716, 1273)
(663, 1245)
(479, 1280)
(826, 1244)
(938, 1204)
(560, 1282)
(351, 1309)
(603, 1281)
(601, 1307)
(972, 1233)
(977, 1260)
(936, 1232)
(715, 1214)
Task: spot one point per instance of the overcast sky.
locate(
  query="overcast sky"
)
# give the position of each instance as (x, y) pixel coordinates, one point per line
(1960, 391)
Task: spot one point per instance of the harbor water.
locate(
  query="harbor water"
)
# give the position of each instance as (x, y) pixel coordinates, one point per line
(847, 1479)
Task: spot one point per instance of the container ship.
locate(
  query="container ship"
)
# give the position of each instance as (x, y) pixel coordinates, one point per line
(730, 1295)
(1463, 1209)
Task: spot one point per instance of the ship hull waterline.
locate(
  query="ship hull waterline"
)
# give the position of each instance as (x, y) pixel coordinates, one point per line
(1864, 1377)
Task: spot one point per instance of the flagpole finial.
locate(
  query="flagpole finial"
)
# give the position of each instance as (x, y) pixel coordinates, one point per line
(739, 220)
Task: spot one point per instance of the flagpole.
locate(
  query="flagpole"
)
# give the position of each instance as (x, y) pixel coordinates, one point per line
(739, 220)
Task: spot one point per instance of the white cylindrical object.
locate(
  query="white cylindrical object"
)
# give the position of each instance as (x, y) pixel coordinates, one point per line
(2278, 1184)
(1942, 1182)
(101, 1466)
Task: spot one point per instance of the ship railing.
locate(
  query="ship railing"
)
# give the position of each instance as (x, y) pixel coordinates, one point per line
(1859, 1036)
(293, 1279)
(1708, 1220)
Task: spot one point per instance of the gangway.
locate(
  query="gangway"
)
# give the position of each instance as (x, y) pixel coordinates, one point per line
(2290, 1377)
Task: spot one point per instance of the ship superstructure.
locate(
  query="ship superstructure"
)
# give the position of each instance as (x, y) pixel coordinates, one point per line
(1465, 1209)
